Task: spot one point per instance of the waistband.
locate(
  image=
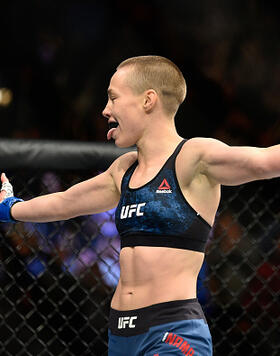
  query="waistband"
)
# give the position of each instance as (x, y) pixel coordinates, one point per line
(138, 321)
(186, 242)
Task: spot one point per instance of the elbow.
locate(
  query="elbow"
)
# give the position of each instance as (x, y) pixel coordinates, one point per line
(66, 213)
(63, 207)
(262, 171)
(64, 216)
(262, 166)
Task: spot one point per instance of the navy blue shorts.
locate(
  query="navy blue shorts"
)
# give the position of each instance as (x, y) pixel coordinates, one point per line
(172, 328)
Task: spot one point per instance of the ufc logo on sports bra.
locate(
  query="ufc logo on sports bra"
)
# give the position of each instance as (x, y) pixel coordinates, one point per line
(126, 321)
(129, 211)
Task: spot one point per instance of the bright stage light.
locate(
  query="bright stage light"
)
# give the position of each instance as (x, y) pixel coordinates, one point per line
(6, 96)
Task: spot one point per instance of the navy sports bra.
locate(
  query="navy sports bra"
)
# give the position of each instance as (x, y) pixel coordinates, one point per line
(157, 213)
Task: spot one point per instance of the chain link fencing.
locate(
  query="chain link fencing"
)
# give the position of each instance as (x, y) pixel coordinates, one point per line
(57, 279)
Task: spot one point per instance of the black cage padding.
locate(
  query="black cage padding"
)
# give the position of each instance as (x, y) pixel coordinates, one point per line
(46, 154)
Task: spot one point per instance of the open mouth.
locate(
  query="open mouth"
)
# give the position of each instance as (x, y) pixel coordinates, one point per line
(113, 124)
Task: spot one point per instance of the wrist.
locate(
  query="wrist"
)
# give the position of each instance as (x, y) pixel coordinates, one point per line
(11, 209)
(6, 207)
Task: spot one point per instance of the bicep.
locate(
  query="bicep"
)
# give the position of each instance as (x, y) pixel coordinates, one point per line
(92, 196)
(228, 165)
(102, 192)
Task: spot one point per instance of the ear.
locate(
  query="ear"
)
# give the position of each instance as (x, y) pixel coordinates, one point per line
(150, 99)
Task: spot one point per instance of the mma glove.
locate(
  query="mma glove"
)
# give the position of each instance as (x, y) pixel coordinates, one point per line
(7, 203)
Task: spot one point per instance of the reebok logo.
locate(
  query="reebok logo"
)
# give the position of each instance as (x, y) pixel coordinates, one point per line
(130, 210)
(164, 188)
(179, 342)
(126, 321)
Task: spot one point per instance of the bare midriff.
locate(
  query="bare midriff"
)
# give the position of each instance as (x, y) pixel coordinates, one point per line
(151, 275)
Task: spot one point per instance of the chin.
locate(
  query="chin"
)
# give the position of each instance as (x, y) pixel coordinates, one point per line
(123, 144)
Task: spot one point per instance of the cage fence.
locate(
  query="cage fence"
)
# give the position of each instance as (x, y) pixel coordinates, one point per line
(57, 279)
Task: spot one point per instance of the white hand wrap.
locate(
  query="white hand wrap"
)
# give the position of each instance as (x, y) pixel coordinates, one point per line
(8, 189)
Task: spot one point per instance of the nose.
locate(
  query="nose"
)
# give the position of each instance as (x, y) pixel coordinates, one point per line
(106, 112)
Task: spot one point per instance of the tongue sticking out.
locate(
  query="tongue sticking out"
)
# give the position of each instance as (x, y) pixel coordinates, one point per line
(112, 128)
(110, 133)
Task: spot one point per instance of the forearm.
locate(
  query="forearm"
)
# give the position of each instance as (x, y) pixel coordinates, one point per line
(44, 208)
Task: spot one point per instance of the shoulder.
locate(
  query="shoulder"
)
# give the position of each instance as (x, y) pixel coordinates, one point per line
(194, 147)
(125, 161)
(121, 165)
(195, 155)
(202, 141)
(199, 147)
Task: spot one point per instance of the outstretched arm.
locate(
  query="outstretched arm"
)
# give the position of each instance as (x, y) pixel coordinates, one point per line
(236, 165)
(92, 196)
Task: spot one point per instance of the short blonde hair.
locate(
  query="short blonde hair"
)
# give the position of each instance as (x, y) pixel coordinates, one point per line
(160, 74)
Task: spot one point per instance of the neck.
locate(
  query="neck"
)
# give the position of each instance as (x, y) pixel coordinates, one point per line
(158, 142)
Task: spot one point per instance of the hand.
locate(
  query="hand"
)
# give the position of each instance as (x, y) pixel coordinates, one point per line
(6, 189)
(7, 200)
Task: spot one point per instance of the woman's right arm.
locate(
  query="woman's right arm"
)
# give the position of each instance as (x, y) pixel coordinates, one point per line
(89, 197)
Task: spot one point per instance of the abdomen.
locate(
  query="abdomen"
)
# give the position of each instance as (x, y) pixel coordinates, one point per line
(151, 275)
